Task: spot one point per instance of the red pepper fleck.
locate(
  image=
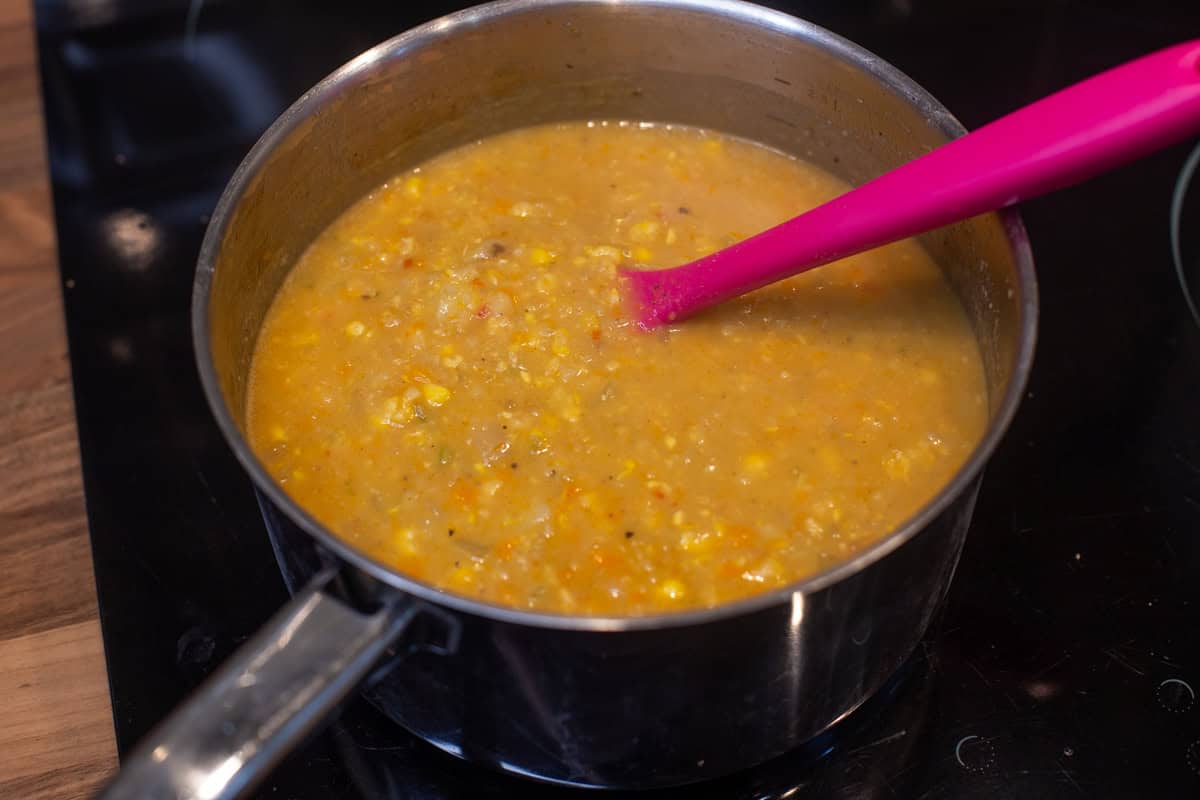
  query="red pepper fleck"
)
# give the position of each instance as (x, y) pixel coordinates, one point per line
(409, 263)
(477, 281)
(595, 334)
(484, 312)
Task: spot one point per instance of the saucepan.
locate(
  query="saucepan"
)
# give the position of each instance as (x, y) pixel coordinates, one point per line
(632, 702)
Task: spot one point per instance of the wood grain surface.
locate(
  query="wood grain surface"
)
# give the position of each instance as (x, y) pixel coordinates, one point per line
(56, 732)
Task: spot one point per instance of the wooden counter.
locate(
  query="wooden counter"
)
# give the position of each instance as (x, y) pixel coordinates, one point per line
(56, 732)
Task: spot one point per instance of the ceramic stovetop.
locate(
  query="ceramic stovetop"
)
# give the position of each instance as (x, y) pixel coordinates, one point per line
(1067, 660)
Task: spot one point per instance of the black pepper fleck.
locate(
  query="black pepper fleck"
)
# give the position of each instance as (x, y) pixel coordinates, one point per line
(628, 534)
(684, 210)
(450, 532)
(513, 465)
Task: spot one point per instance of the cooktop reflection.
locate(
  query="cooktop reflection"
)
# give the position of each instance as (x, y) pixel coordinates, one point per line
(1067, 659)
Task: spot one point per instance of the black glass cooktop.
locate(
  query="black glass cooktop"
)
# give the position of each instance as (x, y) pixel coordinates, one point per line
(1067, 660)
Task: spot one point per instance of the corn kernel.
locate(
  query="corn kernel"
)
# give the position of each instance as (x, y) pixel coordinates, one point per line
(677, 519)
(644, 231)
(696, 541)
(672, 589)
(559, 346)
(387, 413)
(355, 328)
(540, 256)
(278, 434)
(755, 463)
(412, 186)
(658, 487)
(672, 235)
(406, 541)
(571, 409)
(462, 577)
(603, 251)
(435, 395)
(642, 254)
(670, 442)
(522, 209)
(897, 464)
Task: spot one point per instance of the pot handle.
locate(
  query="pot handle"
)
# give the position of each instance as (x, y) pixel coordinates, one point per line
(266, 697)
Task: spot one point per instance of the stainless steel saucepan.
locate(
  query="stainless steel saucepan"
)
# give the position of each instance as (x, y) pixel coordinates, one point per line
(587, 701)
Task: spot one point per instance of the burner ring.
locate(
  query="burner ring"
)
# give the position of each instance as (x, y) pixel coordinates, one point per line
(1178, 199)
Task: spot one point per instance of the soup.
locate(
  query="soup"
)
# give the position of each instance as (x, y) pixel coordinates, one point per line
(450, 381)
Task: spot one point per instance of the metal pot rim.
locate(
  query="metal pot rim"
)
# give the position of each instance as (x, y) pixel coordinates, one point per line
(397, 47)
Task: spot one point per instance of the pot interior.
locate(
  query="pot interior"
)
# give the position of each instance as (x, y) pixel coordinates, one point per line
(731, 67)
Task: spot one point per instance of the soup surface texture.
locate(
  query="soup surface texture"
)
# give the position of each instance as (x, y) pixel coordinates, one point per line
(449, 380)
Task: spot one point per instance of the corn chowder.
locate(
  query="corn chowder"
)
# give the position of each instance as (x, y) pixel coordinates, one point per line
(449, 379)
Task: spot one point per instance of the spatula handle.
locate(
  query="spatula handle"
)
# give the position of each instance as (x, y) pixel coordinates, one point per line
(1085, 129)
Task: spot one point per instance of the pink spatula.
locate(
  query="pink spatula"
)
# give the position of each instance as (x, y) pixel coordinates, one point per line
(1105, 121)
